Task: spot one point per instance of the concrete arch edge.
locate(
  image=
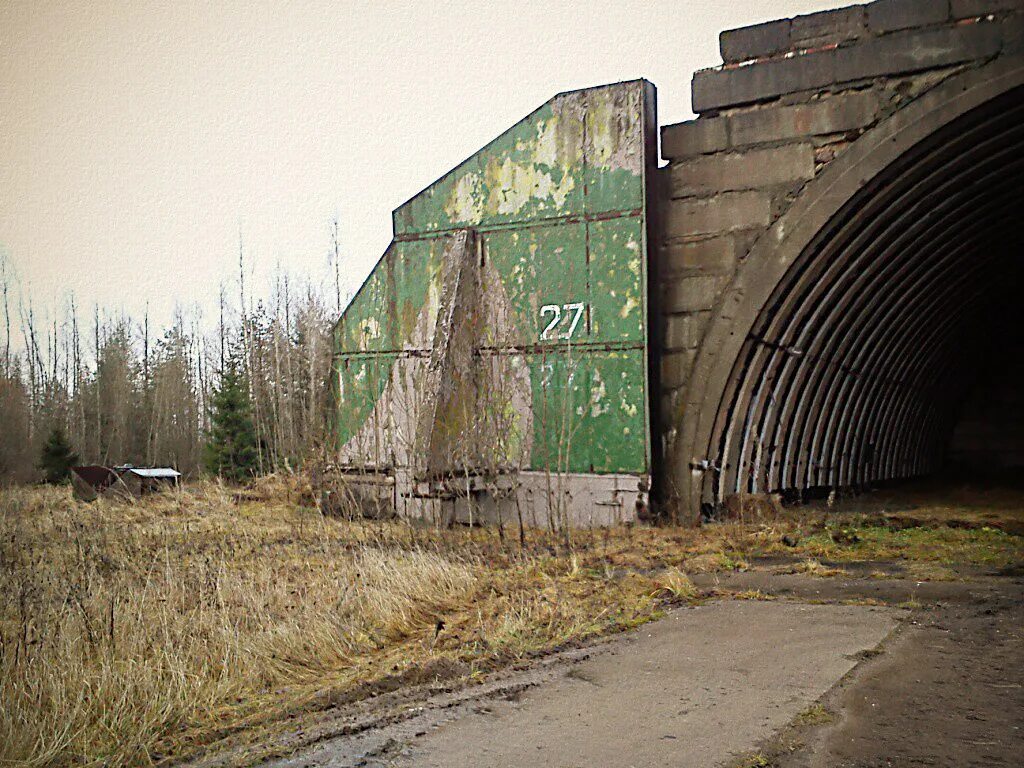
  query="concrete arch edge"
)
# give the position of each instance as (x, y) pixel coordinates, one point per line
(768, 260)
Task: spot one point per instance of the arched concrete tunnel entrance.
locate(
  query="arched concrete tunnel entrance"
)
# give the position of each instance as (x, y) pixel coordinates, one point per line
(855, 369)
(844, 349)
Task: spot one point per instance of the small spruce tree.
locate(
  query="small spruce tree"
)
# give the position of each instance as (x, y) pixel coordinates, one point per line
(57, 458)
(231, 450)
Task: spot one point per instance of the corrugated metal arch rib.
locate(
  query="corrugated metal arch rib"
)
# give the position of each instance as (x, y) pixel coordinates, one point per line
(853, 369)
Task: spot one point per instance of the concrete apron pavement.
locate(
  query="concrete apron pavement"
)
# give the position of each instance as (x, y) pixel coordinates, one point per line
(693, 689)
(697, 688)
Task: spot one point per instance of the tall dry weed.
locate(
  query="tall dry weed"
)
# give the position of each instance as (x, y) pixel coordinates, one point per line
(123, 624)
(131, 632)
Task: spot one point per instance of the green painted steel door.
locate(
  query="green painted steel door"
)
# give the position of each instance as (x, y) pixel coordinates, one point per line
(533, 254)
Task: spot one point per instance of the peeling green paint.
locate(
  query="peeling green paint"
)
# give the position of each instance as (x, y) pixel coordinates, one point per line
(558, 205)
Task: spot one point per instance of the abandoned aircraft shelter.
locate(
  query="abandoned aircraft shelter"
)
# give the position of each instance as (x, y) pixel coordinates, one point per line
(819, 289)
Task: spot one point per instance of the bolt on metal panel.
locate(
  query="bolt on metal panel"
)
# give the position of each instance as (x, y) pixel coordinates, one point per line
(500, 344)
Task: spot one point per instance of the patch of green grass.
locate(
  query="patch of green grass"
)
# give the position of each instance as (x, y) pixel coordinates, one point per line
(926, 571)
(752, 761)
(942, 545)
(815, 714)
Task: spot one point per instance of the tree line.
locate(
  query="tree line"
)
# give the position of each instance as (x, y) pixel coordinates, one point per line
(117, 392)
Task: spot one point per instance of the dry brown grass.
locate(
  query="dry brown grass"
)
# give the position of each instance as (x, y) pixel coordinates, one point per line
(123, 624)
(132, 634)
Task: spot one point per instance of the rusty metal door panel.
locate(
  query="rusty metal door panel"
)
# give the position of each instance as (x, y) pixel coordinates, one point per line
(547, 226)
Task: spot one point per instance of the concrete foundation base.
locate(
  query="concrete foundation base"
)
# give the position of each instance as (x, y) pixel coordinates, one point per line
(535, 499)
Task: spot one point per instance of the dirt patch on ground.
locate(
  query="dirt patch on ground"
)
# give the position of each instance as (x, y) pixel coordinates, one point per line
(949, 692)
(866, 588)
(946, 690)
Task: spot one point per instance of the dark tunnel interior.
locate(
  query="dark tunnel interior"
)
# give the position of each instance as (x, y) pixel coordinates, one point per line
(893, 346)
(988, 438)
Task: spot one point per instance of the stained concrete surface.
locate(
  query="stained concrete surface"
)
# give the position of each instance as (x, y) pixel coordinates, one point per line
(690, 690)
(948, 693)
(693, 689)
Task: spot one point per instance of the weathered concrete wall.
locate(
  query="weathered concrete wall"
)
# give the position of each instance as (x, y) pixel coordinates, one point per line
(791, 97)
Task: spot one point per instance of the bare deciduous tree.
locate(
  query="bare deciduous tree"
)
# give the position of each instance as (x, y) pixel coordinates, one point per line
(140, 402)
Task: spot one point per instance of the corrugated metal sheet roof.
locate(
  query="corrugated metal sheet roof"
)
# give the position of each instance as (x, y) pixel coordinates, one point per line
(153, 471)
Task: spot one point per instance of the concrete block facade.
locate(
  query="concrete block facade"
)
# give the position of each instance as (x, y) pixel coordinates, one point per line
(791, 97)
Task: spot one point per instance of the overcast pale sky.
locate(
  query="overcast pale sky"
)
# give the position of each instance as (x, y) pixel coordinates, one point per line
(137, 138)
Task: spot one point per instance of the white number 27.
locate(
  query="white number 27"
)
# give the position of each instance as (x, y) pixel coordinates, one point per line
(576, 308)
